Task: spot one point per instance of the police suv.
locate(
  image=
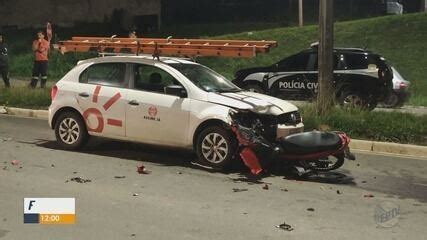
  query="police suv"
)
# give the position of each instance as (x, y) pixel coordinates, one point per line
(170, 102)
(361, 78)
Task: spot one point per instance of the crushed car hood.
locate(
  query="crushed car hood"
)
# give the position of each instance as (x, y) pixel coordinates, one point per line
(255, 102)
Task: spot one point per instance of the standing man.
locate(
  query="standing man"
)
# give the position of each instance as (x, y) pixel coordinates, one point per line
(40, 49)
(4, 62)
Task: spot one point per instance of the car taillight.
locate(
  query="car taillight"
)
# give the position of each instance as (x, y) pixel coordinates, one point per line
(53, 92)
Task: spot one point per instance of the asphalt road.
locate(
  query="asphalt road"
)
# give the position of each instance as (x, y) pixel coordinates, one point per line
(180, 200)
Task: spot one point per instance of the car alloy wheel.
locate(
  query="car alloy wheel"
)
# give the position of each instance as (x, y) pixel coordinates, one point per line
(69, 131)
(214, 148)
(353, 100)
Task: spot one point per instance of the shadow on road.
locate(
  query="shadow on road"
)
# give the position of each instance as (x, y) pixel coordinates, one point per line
(177, 157)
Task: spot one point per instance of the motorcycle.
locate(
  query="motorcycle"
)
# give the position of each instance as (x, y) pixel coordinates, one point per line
(309, 151)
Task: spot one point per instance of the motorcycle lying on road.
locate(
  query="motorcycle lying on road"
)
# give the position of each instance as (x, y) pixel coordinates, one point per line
(307, 152)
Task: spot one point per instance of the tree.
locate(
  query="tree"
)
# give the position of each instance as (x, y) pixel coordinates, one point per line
(326, 94)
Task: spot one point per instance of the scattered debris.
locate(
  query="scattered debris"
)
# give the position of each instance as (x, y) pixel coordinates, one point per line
(363, 181)
(52, 165)
(4, 219)
(245, 213)
(5, 139)
(119, 176)
(368, 195)
(79, 180)
(339, 192)
(284, 190)
(285, 226)
(358, 164)
(5, 168)
(14, 162)
(142, 170)
(310, 209)
(135, 195)
(179, 173)
(133, 235)
(240, 189)
(74, 172)
(265, 187)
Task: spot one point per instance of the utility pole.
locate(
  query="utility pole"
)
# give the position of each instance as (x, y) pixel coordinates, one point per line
(301, 13)
(326, 94)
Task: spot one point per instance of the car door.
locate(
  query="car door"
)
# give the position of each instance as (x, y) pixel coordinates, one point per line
(289, 80)
(151, 115)
(102, 98)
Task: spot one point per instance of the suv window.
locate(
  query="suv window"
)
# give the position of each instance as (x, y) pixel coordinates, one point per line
(296, 62)
(313, 62)
(107, 74)
(152, 79)
(358, 61)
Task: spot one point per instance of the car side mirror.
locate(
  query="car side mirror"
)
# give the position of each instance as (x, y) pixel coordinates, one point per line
(176, 90)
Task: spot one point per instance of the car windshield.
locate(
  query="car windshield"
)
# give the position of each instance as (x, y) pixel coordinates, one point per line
(205, 78)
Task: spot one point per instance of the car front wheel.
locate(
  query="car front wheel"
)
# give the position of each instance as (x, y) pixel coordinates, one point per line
(70, 131)
(216, 147)
(254, 88)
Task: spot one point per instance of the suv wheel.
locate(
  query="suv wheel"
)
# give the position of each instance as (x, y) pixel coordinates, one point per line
(392, 101)
(254, 88)
(70, 131)
(352, 99)
(216, 147)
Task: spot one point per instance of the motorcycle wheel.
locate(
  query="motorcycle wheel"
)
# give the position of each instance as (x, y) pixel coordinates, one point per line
(323, 165)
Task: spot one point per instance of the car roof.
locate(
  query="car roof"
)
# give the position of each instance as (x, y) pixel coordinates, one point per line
(137, 59)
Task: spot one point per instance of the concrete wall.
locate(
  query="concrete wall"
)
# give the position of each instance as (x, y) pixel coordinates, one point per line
(24, 13)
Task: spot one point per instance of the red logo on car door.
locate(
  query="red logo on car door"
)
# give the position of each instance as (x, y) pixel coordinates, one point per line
(97, 113)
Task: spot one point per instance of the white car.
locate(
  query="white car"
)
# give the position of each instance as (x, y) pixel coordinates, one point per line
(170, 102)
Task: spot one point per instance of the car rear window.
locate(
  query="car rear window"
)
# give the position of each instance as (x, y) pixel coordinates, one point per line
(359, 61)
(107, 74)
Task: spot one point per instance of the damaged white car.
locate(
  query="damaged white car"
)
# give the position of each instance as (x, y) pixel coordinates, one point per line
(170, 102)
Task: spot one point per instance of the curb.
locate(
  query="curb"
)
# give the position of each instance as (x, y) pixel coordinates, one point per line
(390, 148)
(361, 145)
(20, 112)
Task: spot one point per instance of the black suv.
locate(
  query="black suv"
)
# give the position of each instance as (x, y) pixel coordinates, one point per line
(361, 78)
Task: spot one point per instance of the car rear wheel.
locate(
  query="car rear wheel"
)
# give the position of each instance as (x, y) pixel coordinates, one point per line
(70, 131)
(254, 88)
(392, 101)
(353, 99)
(216, 147)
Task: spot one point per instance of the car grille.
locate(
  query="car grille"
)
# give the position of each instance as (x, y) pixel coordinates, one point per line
(292, 118)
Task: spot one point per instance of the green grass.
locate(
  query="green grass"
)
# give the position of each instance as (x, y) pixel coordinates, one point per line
(402, 40)
(378, 126)
(24, 97)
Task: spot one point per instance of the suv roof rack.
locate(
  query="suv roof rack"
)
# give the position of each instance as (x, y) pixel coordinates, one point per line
(166, 46)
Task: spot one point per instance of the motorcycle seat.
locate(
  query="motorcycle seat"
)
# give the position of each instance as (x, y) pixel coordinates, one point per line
(310, 142)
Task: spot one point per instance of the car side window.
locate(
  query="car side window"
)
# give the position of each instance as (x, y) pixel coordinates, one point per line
(152, 79)
(107, 74)
(356, 61)
(296, 62)
(313, 62)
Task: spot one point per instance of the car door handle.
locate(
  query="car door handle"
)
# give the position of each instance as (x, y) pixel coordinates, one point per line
(133, 103)
(84, 94)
